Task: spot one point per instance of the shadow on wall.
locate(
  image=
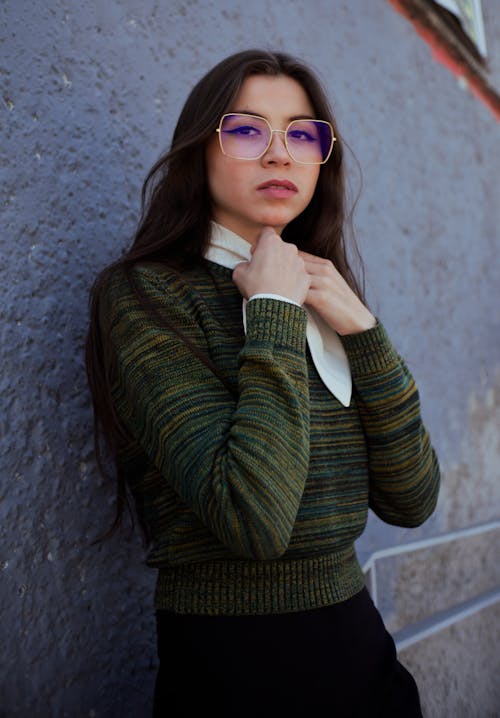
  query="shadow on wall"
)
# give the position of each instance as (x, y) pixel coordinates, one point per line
(80, 638)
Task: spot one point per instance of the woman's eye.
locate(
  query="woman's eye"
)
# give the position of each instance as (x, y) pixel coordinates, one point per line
(246, 130)
(302, 136)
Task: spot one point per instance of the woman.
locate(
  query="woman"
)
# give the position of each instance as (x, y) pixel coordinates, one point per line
(255, 409)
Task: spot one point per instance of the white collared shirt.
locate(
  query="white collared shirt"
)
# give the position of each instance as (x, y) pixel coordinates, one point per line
(327, 351)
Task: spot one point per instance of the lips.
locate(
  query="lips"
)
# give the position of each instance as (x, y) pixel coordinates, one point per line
(278, 184)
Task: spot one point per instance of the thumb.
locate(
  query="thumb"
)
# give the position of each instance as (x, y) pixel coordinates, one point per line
(265, 231)
(240, 269)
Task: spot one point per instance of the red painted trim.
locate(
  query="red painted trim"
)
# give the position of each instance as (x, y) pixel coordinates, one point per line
(448, 57)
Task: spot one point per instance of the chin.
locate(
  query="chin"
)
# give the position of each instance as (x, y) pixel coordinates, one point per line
(278, 219)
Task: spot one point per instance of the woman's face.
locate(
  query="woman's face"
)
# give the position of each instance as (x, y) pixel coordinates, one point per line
(240, 202)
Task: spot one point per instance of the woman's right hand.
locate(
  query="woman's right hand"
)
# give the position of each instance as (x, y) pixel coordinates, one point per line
(275, 268)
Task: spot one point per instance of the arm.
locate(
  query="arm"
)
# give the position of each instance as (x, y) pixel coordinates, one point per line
(240, 466)
(404, 472)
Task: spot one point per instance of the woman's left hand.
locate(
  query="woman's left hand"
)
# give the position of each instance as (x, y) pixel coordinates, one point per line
(333, 299)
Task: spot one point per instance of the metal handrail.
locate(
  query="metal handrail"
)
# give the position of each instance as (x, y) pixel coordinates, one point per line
(437, 622)
(443, 619)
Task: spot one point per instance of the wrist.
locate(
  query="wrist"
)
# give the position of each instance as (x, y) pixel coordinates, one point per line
(359, 325)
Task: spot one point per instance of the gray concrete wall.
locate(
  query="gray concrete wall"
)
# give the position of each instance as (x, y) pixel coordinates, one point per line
(90, 95)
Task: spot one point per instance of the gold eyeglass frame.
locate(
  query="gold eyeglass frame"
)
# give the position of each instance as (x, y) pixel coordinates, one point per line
(283, 132)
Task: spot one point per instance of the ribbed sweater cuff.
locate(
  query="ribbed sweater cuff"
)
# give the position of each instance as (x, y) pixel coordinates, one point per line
(369, 351)
(280, 322)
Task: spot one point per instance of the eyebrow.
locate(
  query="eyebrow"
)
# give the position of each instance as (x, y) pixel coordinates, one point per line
(258, 114)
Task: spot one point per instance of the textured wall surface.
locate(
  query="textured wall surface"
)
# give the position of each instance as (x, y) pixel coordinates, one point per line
(90, 93)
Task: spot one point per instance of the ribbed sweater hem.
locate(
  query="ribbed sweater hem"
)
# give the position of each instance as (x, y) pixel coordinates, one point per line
(259, 587)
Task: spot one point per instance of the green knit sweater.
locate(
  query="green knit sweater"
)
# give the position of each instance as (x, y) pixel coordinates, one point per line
(253, 504)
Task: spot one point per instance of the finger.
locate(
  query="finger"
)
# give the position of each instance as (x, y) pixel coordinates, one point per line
(323, 269)
(326, 270)
(316, 262)
(319, 284)
(266, 239)
(311, 257)
(312, 267)
(267, 232)
(240, 269)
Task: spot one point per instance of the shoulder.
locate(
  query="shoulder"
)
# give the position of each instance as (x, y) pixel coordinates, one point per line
(150, 279)
(179, 294)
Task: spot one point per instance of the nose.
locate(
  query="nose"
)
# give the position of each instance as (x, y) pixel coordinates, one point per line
(277, 152)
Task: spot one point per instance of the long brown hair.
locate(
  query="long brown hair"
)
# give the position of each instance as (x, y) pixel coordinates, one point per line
(176, 213)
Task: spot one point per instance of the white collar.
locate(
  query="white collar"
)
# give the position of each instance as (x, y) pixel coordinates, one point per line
(327, 351)
(226, 247)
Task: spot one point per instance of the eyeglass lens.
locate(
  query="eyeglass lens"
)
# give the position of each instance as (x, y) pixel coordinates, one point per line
(247, 137)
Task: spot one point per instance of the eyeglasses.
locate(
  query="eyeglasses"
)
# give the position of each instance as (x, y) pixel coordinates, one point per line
(248, 137)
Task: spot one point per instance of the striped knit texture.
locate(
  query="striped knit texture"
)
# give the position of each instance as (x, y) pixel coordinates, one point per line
(254, 505)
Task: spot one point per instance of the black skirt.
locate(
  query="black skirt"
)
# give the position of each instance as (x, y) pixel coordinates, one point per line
(337, 661)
